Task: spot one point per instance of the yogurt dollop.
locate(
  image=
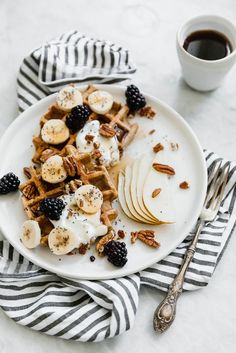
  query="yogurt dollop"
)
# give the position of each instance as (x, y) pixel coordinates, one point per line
(108, 147)
(84, 226)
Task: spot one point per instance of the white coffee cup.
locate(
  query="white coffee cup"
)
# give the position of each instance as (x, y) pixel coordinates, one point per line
(205, 75)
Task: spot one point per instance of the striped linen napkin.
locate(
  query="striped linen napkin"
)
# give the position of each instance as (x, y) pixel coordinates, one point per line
(96, 310)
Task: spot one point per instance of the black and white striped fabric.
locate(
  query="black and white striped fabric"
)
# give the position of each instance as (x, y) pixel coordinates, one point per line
(96, 310)
(72, 57)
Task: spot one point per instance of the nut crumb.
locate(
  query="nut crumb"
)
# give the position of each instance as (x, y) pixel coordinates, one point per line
(151, 132)
(174, 146)
(156, 192)
(184, 185)
(121, 234)
(148, 112)
(158, 147)
(83, 248)
(106, 130)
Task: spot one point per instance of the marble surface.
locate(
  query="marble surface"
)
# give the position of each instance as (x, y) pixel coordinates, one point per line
(206, 318)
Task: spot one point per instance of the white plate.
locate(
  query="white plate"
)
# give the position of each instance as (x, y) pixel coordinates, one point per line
(16, 151)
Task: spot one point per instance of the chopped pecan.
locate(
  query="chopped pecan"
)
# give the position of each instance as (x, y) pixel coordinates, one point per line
(27, 172)
(30, 191)
(184, 185)
(44, 240)
(102, 242)
(46, 154)
(146, 236)
(164, 168)
(107, 131)
(96, 154)
(148, 112)
(158, 147)
(96, 145)
(121, 234)
(156, 192)
(89, 138)
(70, 165)
(83, 248)
(151, 132)
(134, 237)
(73, 185)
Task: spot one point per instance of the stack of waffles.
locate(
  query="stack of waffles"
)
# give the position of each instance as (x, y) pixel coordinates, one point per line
(81, 168)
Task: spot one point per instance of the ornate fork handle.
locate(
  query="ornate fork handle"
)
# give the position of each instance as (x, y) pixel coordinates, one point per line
(165, 312)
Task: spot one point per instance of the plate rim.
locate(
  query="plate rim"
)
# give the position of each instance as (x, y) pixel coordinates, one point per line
(127, 272)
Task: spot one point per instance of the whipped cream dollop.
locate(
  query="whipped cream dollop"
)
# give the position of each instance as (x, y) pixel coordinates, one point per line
(85, 226)
(108, 146)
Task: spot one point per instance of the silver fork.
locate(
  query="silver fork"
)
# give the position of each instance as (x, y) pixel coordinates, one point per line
(166, 310)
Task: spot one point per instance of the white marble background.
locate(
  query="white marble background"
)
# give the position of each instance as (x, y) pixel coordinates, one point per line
(206, 319)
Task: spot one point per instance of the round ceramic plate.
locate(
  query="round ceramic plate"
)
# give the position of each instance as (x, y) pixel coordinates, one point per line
(16, 151)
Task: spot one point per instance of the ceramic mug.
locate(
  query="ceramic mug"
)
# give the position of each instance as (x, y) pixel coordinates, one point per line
(205, 75)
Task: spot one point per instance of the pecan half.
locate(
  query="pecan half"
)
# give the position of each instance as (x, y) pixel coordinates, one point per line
(184, 185)
(29, 191)
(156, 192)
(164, 168)
(148, 112)
(70, 165)
(46, 154)
(146, 236)
(107, 131)
(158, 147)
(102, 242)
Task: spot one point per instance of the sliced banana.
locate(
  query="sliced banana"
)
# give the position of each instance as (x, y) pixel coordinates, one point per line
(100, 102)
(31, 234)
(89, 198)
(53, 170)
(55, 131)
(62, 240)
(68, 97)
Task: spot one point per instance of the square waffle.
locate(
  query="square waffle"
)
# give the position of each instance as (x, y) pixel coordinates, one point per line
(81, 169)
(116, 118)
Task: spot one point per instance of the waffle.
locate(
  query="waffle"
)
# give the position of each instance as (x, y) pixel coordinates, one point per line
(116, 118)
(81, 169)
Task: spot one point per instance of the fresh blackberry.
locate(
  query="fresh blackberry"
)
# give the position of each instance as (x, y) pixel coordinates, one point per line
(52, 208)
(134, 98)
(116, 252)
(77, 118)
(8, 183)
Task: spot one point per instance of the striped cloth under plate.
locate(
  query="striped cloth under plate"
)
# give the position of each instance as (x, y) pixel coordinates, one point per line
(72, 57)
(96, 310)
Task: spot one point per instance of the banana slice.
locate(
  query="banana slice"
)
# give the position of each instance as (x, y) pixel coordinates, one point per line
(53, 170)
(62, 240)
(89, 198)
(100, 102)
(31, 234)
(55, 131)
(68, 97)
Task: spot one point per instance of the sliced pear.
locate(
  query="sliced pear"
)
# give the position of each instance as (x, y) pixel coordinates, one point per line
(121, 196)
(145, 166)
(133, 211)
(134, 192)
(162, 206)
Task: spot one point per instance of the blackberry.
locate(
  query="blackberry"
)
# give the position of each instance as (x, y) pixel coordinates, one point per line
(8, 183)
(77, 118)
(52, 208)
(134, 98)
(116, 252)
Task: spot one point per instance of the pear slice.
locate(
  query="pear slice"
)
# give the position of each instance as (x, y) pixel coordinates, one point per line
(128, 174)
(145, 165)
(134, 197)
(162, 206)
(121, 196)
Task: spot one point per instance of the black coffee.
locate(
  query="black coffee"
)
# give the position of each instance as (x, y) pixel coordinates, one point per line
(208, 45)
